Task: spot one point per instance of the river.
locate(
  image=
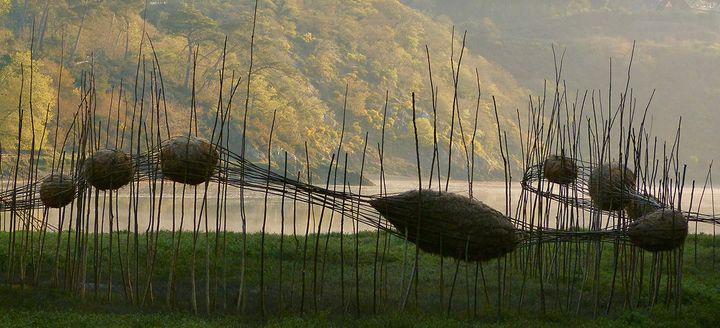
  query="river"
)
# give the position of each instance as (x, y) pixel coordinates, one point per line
(171, 216)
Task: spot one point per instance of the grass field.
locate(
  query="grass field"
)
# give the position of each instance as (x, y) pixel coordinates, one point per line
(342, 300)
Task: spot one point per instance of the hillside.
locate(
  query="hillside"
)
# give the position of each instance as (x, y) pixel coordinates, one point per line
(676, 54)
(306, 53)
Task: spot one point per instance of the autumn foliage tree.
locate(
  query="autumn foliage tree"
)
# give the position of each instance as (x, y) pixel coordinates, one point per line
(28, 93)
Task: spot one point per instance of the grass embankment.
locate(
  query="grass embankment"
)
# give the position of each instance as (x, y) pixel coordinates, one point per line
(341, 298)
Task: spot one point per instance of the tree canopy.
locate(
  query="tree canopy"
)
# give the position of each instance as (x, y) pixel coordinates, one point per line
(18, 73)
(306, 54)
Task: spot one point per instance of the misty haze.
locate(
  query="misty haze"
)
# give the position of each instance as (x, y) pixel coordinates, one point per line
(359, 162)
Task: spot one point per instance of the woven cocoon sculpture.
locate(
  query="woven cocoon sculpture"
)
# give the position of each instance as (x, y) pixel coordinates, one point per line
(560, 169)
(661, 230)
(189, 160)
(611, 186)
(109, 169)
(449, 224)
(57, 190)
(639, 206)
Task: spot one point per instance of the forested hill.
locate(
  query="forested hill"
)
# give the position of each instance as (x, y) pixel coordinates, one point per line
(306, 53)
(677, 54)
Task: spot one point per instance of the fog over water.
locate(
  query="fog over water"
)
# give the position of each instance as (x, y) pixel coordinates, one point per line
(293, 222)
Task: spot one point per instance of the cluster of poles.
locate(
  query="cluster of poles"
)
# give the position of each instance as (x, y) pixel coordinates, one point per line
(597, 190)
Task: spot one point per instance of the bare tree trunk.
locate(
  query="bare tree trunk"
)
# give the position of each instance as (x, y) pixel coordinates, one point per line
(23, 16)
(77, 38)
(127, 37)
(43, 26)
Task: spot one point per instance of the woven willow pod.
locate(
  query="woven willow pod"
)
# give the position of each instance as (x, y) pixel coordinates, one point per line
(449, 224)
(57, 190)
(661, 230)
(109, 169)
(639, 206)
(560, 169)
(189, 160)
(611, 186)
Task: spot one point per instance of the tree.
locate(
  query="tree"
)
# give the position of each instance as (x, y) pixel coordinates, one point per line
(125, 10)
(15, 76)
(4, 7)
(187, 21)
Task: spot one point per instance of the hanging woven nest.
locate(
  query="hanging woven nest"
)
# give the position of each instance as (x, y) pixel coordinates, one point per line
(57, 190)
(109, 169)
(611, 186)
(449, 224)
(560, 169)
(661, 230)
(189, 160)
(639, 206)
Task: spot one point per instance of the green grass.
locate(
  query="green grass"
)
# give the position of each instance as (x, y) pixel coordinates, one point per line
(48, 301)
